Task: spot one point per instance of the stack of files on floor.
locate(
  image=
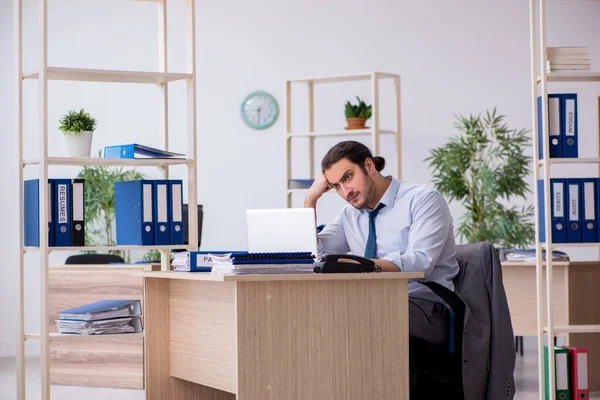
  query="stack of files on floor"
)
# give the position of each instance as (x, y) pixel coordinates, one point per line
(563, 122)
(196, 261)
(149, 212)
(571, 369)
(66, 219)
(574, 207)
(263, 263)
(529, 255)
(102, 317)
(567, 59)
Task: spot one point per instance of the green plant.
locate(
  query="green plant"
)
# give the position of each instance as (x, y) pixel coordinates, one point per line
(361, 110)
(76, 122)
(480, 167)
(99, 199)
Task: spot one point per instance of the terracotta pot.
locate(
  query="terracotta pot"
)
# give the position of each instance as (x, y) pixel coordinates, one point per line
(356, 123)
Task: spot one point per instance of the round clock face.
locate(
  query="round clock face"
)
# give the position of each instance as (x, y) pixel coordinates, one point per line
(259, 110)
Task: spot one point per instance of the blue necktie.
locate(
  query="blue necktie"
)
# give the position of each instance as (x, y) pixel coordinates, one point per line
(372, 240)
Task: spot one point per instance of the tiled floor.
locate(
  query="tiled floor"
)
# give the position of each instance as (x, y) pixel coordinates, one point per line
(525, 376)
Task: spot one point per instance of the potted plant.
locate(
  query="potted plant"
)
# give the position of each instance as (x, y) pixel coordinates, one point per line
(78, 128)
(481, 167)
(357, 115)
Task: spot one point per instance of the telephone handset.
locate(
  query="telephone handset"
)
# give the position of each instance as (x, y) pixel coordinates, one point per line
(331, 264)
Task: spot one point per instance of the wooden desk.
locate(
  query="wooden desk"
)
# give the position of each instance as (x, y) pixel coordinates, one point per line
(261, 337)
(576, 301)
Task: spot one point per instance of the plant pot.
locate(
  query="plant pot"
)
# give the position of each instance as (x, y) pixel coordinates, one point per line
(81, 145)
(356, 123)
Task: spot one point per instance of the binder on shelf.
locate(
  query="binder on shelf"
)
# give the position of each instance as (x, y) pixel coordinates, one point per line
(31, 213)
(161, 212)
(574, 210)
(569, 128)
(63, 211)
(103, 309)
(133, 212)
(579, 365)
(195, 261)
(176, 211)
(589, 213)
(557, 210)
(554, 126)
(300, 183)
(77, 216)
(135, 150)
(561, 373)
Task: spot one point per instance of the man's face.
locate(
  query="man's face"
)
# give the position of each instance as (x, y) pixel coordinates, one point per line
(351, 182)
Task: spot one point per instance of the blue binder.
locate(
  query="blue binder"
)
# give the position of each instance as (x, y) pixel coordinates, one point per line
(161, 212)
(558, 211)
(554, 126)
(62, 212)
(31, 213)
(569, 125)
(589, 228)
(574, 210)
(176, 211)
(133, 212)
(133, 149)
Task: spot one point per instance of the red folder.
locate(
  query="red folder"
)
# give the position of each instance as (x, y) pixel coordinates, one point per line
(579, 359)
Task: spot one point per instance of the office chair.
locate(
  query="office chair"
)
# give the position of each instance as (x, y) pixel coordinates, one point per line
(94, 259)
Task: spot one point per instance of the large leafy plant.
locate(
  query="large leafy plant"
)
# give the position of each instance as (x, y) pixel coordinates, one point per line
(360, 110)
(481, 167)
(75, 122)
(99, 208)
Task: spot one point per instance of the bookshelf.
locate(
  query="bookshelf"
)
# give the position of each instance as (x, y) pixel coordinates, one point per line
(540, 80)
(45, 73)
(375, 131)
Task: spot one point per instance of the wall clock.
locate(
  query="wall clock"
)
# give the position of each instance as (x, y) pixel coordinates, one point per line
(259, 110)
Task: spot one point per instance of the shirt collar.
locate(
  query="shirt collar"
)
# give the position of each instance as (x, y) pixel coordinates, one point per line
(389, 196)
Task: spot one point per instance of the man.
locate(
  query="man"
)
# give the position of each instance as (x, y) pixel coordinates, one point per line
(401, 226)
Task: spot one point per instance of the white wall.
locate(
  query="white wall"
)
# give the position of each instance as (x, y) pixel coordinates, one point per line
(454, 57)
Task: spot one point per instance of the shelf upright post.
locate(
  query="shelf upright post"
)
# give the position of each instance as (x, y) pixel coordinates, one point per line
(164, 114)
(397, 129)
(288, 142)
(311, 129)
(375, 112)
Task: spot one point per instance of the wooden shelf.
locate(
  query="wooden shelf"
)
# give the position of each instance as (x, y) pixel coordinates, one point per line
(85, 161)
(552, 161)
(575, 329)
(69, 336)
(342, 78)
(108, 248)
(571, 76)
(99, 75)
(339, 133)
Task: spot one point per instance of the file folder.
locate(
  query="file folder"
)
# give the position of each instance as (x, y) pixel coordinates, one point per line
(161, 212)
(569, 128)
(579, 364)
(561, 373)
(589, 227)
(31, 213)
(574, 210)
(554, 126)
(176, 211)
(132, 150)
(62, 204)
(77, 216)
(558, 211)
(133, 212)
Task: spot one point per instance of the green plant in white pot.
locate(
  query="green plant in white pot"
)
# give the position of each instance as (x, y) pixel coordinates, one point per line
(78, 127)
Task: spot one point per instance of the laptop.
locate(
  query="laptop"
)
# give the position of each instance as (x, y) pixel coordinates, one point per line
(281, 230)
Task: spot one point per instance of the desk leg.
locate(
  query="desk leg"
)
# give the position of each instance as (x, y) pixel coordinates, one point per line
(334, 340)
(160, 385)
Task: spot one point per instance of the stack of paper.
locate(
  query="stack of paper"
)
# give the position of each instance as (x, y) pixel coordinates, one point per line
(263, 263)
(102, 317)
(567, 59)
(529, 255)
(196, 261)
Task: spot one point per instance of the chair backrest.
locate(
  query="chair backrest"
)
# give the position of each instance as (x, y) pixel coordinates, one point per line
(94, 259)
(488, 348)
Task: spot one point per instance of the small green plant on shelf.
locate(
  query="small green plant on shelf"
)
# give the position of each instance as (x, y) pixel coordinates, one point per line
(480, 167)
(357, 114)
(78, 128)
(99, 204)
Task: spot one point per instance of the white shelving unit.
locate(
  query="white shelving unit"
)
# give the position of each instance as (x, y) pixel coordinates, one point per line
(45, 73)
(374, 130)
(540, 79)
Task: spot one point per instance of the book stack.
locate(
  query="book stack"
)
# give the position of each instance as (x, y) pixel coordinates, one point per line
(102, 317)
(263, 263)
(567, 59)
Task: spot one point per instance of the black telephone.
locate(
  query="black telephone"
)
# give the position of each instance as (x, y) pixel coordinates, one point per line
(331, 264)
